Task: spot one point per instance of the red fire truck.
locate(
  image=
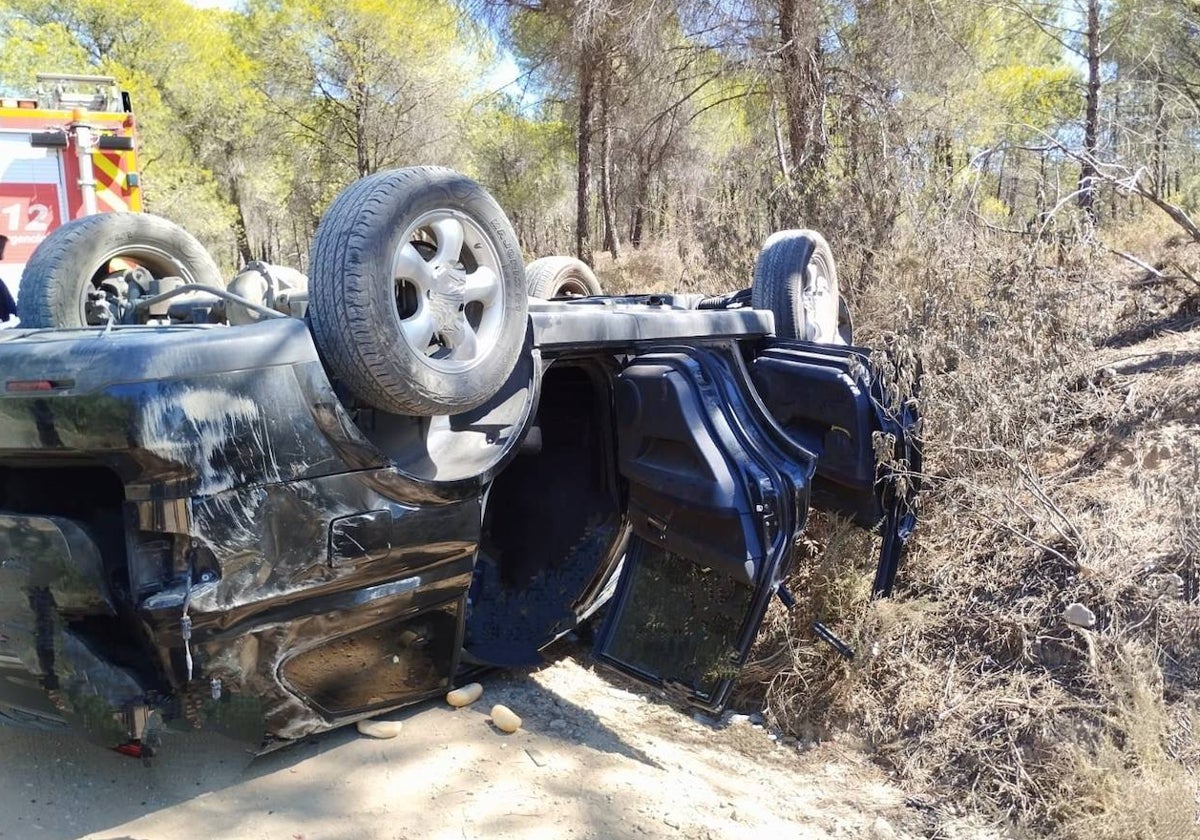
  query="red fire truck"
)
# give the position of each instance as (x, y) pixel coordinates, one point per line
(68, 152)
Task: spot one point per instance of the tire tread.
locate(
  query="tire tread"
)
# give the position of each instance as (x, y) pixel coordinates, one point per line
(779, 277)
(544, 275)
(349, 336)
(54, 277)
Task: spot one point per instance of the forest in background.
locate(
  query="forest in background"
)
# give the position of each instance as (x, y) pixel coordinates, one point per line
(1010, 189)
(698, 126)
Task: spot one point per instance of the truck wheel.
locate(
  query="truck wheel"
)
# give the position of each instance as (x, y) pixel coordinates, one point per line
(796, 279)
(551, 277)
(76, 257)
(417, 292)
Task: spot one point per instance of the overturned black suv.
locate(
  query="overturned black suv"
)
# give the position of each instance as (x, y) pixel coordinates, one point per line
(283, 505)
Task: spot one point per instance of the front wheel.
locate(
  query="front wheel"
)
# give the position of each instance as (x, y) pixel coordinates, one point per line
(795, 278)
(417, 292)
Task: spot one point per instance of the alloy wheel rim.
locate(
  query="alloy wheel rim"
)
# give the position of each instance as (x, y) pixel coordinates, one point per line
(447, 284)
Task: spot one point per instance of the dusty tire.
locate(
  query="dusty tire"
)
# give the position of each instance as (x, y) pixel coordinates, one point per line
(75, 257)
(796, 279)
(845, 322)
(417, 292)
(551, 277)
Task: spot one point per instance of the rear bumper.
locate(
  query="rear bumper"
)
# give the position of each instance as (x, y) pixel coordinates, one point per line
(51, 586)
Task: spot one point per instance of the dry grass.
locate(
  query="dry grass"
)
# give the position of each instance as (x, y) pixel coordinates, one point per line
(666, 266)
(1062, 405)
(1063, 460)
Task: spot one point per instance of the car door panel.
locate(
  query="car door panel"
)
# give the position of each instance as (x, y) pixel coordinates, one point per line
(723, 455)
(716, 495)
(869, 462)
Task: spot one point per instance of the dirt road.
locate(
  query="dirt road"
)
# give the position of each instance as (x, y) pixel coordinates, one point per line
(592, 761)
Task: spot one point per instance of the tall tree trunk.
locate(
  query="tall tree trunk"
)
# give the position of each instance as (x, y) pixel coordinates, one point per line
(361, 151)
(1041, 190)
(803, 88)
(612, 241)
(1114, 143)
(641, 197)
(239, 230)
(635, 227)
(1087, 170)
(583, 186)
(785, 170)
(1000, 177)
(233, 187)
(1160, 139)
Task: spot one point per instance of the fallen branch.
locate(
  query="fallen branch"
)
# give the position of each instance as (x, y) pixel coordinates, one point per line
(1143, 265)
(1130, 182)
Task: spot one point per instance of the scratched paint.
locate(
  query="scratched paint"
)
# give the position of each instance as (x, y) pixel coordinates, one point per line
(202, 427)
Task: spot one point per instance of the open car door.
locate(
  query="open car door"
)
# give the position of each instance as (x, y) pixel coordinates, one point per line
(717, 493)
(722, 459)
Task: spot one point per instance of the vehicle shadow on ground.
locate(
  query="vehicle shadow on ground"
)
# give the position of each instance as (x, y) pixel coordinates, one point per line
(56, 786)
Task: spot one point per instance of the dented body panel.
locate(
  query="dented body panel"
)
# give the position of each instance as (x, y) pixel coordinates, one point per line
(193, 522)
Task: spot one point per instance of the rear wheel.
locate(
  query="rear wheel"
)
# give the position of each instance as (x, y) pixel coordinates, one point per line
(552, 277)
(417, 292)
(796, 279)
(59, 282)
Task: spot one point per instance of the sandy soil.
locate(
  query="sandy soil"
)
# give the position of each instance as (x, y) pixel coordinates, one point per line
(593, 760)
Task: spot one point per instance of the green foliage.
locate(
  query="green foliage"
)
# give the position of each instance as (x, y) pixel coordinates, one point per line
(728, 109)
(253, 120)
(188, 80)
(1189, 193)
(30, 48)
(366, 82)
(1003, 78)
(527, 163)
(1019, 100)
